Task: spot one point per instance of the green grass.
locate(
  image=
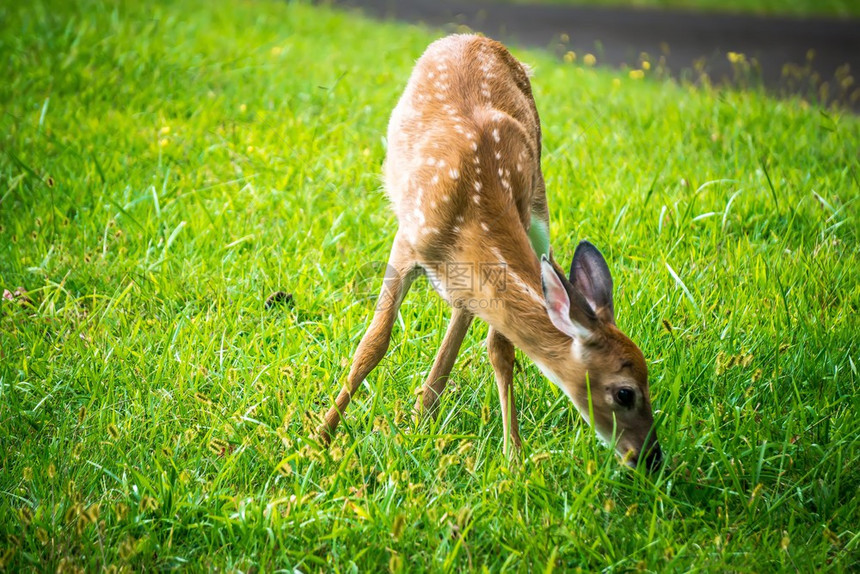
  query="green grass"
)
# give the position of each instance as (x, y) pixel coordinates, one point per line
(798, 8)
(166, 166)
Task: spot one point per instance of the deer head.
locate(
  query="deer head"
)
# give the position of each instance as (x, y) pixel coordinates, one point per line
(611, 384)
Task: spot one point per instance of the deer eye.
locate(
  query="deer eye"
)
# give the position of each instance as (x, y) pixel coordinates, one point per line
(625, 397)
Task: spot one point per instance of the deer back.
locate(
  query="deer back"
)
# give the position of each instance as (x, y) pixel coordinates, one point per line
(463, 158)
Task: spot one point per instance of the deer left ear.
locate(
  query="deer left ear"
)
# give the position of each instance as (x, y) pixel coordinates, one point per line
(590, 275)
(558, 304)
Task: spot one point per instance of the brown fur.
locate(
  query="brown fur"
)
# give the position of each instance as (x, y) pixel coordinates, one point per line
(463, 174)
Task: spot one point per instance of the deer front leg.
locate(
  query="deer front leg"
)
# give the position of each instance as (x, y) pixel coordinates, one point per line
(501, 353)
(444, 362)
(400, 273)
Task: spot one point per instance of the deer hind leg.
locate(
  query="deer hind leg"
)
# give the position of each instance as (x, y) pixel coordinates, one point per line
(400, 273)
(436, 381)
(501, 353)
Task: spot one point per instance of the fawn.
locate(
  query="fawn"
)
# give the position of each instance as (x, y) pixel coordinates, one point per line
(463, 174)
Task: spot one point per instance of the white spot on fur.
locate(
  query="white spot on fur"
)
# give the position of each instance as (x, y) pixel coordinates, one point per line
(529, 72)
(454, 173)
(498, 254)
(577, 349)
(478, 186)
(496, 134)
(476, 198)
(485, 227)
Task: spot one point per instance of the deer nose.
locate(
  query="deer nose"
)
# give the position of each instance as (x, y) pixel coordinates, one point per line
(653, 458)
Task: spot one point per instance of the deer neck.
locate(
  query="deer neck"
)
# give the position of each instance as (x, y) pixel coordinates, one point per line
(518, 310)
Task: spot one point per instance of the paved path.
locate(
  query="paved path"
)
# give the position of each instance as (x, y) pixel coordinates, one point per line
(617, 36)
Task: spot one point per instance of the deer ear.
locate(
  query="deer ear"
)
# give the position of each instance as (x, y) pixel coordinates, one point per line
(590, 275)
(557, 300)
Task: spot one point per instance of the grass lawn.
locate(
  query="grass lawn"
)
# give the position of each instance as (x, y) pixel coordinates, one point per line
(165, 166)
(800, 8)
